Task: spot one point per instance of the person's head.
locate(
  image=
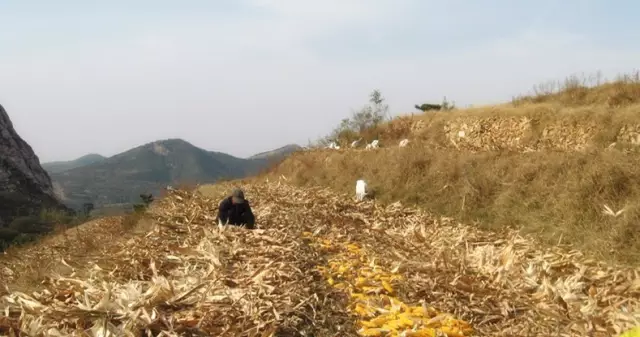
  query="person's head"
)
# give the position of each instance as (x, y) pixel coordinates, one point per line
(237, 196)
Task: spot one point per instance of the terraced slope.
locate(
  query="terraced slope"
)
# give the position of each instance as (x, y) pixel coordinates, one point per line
(322, 265)
(557, 166)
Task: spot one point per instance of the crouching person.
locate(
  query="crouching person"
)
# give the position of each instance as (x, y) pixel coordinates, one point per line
(235, 210)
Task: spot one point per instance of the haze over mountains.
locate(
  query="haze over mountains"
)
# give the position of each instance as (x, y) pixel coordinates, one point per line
(149, 168)
(60, 166)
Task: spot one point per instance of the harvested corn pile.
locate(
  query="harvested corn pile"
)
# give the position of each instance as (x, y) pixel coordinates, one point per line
(502, 284)
(23, 267)
(187, 277)
(373, 297)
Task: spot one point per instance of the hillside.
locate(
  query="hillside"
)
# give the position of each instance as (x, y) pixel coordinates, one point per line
(277, 154)
(60, 166)
(149, 168)
(549, 165)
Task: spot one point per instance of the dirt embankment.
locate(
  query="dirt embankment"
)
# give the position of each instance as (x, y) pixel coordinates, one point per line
(549, 166)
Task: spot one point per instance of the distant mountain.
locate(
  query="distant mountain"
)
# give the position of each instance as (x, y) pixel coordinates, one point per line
(60, 166)
(278, 153)
(149, 168)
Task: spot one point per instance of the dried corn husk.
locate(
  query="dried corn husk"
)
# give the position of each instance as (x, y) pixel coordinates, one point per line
(186, 276)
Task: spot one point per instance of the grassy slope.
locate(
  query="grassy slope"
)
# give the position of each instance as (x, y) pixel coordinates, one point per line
(553, 194)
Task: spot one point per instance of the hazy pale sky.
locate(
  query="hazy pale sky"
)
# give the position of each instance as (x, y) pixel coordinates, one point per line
(245, 76)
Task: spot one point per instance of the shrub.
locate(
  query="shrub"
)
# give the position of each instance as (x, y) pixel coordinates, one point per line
(30, 224)
(147, 199)
(368, 117)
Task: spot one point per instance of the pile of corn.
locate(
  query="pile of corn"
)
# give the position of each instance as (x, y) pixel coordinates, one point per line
(372, 297)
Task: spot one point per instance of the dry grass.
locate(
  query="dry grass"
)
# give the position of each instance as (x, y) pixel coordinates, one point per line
(558, 196)
(577, 101)
(581, 90)
(602, 124)
(552, 192)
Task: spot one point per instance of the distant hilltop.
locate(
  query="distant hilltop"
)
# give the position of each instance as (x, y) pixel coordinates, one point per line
(279, 152)
(120, 179)
(60, 166)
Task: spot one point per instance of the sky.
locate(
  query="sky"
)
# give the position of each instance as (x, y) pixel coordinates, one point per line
(246, 76)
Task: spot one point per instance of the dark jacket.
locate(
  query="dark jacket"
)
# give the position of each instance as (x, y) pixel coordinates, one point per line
(238, 214)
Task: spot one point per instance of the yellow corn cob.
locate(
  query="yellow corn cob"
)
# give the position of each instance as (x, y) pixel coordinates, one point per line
(417, 311)
(382, 319)
(424, 332)
(392, 325)
(368, 324)
(368, 289)
(386, 277)
(387, 287)
(408, 316)
(397, 277)
(361, 281)
(359, 296)
(396, 305)
(371, 332)
(405, 322)
(363, 311)
(366, 272)
(353, 247)
(451, 332)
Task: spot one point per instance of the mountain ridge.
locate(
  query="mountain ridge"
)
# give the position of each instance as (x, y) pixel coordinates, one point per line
(150, 167)
(283, 150)
(58, 166)
(64, 165)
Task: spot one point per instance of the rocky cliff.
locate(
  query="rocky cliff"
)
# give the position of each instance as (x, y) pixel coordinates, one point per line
(25, 187)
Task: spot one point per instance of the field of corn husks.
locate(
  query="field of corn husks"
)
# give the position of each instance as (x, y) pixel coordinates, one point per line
(322, 265)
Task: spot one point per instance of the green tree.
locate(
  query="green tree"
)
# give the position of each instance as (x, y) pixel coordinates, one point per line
(368, 117)
(380, 109)
(446, 105)
(147, 199)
